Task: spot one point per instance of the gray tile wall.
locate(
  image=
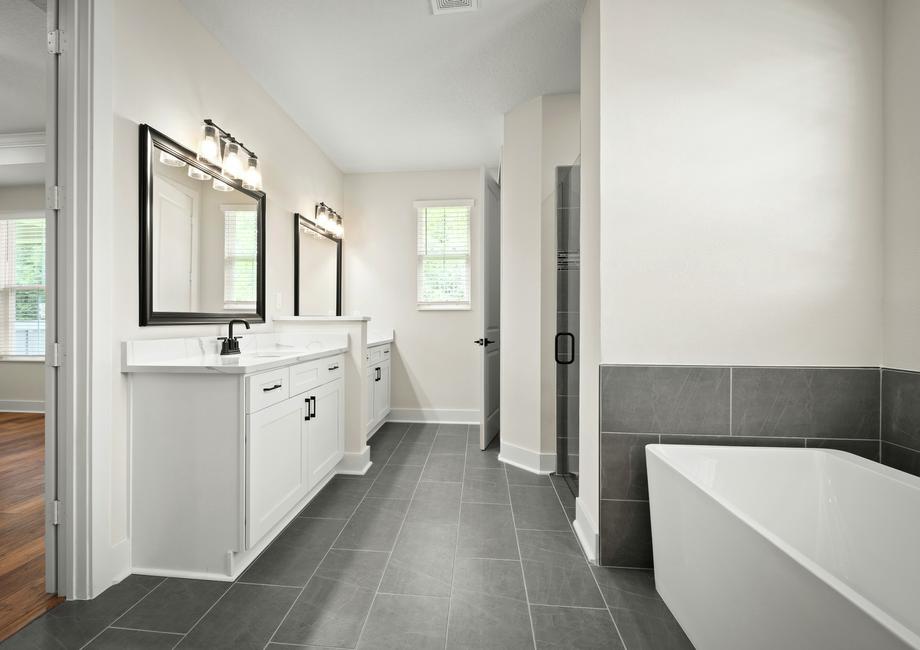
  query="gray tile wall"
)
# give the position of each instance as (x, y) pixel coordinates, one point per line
(901, 420)
(833, 408)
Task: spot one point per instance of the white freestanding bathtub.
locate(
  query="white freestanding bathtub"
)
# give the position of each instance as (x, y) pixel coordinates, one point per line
(765, 548)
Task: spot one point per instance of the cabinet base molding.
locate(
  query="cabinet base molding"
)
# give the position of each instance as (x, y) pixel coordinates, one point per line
(355, 463)
(526, 459)
(585, 530)
(444, 416)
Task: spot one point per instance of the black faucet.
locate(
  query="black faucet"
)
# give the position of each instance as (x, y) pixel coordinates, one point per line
(231, 344)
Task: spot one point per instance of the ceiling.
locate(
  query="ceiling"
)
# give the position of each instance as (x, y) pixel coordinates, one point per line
(22, 66)
(384, 85)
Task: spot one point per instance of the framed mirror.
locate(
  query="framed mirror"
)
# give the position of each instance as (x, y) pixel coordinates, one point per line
(317, 270)
(202, 239)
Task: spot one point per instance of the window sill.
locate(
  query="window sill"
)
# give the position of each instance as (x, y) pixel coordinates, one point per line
(444, 307)
(23, 359)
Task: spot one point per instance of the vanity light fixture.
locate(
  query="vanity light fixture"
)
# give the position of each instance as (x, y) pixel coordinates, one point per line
(197, 174)
(329, 220)
(220, 149)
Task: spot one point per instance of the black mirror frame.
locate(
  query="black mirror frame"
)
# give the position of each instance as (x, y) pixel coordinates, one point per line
(300, 220)
(150, 140)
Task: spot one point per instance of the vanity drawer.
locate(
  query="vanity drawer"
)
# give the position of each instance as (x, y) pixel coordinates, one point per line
(267, 388)
(308, 375)
(378, 353)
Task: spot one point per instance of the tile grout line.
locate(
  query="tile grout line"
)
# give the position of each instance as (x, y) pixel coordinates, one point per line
(591, 571)
(517, 541)
(331, 546)
(120, 616)
(395, 539)
(453, 568)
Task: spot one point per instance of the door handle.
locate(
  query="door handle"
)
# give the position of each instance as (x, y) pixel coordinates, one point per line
(313, 404)
(275, 387)
(488, 342)
(307, 402)
(480, 341)
(377, 374)
(559, 337)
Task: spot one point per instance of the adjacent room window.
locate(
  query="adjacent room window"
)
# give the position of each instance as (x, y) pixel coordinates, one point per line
(241, 248)
(444, 254)
(22, 284)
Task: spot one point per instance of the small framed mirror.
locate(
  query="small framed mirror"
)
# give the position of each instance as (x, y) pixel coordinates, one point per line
(317, 270)
(202, 239)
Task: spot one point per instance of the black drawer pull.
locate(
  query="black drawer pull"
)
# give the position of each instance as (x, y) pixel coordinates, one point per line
(307, 402)
(275, 387)
(335, 367)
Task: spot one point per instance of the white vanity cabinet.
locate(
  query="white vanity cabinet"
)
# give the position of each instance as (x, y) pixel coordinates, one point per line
(378, 386)
(291, 445)
(223, 457)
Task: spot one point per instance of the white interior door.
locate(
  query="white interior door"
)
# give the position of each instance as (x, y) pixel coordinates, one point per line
(175, 220)
(491, 301)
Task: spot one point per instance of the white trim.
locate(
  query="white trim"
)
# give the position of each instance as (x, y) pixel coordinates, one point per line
(445, 203)
(22, 405)
(22, 214)
(26, 139)
(355, 463)
(37, 358)
(443, 416)
(191, 575)
(585, 530)
(526, 459)
(449, 306)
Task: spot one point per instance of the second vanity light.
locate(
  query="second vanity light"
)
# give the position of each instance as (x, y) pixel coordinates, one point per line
(220, 149)
(329, 220)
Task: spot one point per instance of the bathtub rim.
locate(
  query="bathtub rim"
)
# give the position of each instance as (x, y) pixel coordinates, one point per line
(905, 634)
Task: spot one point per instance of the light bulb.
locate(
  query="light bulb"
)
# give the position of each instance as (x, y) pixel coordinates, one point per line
(233, 163)
(209, 147)
(252, 178)
(197, 174)
(322, 219)
(339, 228)
(170, 160)
(221, 186)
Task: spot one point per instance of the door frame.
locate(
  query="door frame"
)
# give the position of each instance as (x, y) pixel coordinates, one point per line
(69, 322)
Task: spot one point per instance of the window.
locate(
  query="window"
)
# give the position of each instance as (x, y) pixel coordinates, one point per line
(22, 284)
(241, 247)
(444, 254)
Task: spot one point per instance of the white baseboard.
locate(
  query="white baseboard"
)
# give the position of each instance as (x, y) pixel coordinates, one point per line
(446, 416)
(526, 459)
(191, 575)
(585, 530)
(355, 463)
(22, 406)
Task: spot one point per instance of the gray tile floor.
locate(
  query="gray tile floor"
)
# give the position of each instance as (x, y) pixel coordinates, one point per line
(439, 546)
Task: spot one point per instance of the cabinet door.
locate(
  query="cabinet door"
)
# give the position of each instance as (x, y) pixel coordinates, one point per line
(371, 418)
(276, 465)
(326, 430)
(382, 392)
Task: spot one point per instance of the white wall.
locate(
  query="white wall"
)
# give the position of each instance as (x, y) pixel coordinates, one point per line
(902, 173)
(741, 182)
(539, 135)
(586, 512)
(22, 383)
(435, 367)
(155, 64)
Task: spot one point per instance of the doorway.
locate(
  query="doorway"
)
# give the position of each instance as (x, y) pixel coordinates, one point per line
(28, 569)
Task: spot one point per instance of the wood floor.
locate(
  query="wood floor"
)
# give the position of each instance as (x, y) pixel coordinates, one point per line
(22, 521)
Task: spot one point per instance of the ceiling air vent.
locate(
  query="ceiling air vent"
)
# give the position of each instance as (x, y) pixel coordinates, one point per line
(439, 7)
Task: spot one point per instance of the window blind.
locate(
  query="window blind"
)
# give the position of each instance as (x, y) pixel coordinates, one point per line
(240, 259)
(22, 286)
(443, 271)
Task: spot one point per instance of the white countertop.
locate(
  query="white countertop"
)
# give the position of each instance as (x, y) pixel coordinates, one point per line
(201, 355)
(314, 319)
(379, 337)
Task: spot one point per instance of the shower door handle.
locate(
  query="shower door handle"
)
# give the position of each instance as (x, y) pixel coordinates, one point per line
(559, 337)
